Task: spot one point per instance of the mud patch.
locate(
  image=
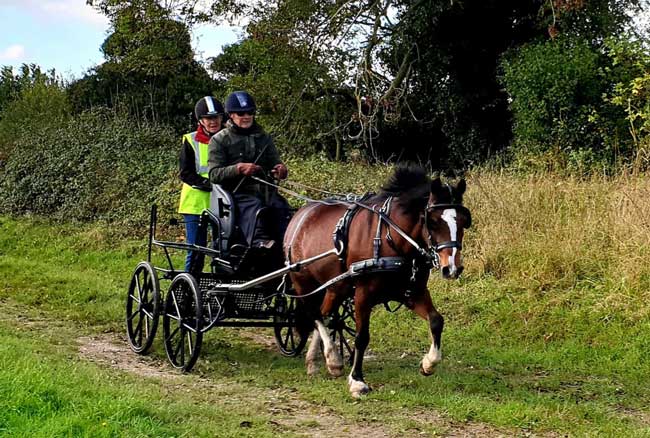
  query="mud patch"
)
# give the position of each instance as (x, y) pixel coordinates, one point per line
(287, 411)
(113, 351)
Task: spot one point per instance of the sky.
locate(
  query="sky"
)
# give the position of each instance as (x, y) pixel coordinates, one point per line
(66, 35)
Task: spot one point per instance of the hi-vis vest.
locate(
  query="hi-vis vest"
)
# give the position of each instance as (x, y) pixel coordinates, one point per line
(194, 201)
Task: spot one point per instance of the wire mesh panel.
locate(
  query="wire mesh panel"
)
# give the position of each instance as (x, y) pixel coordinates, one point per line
(219, 303)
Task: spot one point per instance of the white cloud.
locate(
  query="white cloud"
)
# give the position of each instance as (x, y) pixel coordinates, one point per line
(55, 10)
(75, 9)
(15, 52)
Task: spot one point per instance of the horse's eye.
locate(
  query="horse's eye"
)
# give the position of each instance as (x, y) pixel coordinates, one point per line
(435, 222)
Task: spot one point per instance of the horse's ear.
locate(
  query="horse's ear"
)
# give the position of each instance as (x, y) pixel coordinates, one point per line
(461, 187)
(436, 185)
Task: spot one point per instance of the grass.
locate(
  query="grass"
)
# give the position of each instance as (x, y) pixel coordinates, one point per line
(45, 390)
(547, 332)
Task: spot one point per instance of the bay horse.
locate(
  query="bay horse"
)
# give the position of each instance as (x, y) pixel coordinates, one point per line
(387, 246)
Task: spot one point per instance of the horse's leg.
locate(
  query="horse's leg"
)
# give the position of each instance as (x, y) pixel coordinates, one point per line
(358, 386)
(333, 359)
(313, 354)
(425, 309)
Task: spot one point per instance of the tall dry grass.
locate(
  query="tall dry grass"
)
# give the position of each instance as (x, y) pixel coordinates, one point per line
(566, 241)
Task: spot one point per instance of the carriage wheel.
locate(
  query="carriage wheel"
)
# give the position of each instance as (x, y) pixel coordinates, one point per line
(342, 332)
(287, 337)
(182, 322)
(142, 307)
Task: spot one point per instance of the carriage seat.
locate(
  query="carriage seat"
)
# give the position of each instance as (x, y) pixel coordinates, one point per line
(223, 213)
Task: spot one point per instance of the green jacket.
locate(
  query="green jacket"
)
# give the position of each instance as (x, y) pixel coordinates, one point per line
(230, 146)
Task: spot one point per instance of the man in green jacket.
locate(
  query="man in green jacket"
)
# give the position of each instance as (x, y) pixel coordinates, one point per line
(243, 149)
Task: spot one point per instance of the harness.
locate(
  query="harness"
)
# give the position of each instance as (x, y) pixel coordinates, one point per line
(342, 228)
(424, 259)
(377, 264)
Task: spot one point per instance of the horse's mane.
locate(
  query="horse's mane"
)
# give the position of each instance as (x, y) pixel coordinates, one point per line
(410, 186)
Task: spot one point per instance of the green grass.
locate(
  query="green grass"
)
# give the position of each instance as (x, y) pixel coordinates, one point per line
(46, 390)
(547, 332)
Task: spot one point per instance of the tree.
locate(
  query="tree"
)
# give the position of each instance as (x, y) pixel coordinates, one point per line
(150, 69)
(417, 78)
(30, 101)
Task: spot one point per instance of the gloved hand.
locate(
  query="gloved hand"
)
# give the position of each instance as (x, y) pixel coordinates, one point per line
(248, 169)
(280, 171)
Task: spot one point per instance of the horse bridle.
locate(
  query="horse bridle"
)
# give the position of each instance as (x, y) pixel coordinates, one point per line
(433, 247)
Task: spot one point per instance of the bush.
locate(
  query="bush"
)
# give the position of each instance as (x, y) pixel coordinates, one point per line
(556, 92)
(32, 102)
(98, 165)
(631, 61)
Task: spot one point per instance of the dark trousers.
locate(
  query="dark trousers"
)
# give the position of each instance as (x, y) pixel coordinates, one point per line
(271, 224)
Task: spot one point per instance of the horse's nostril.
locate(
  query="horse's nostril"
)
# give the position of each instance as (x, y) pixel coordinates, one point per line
(445, 271)
(459, 271)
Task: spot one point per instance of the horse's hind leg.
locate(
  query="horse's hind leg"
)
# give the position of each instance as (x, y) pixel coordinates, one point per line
(333, 359)
(426, 310)
(313, 354)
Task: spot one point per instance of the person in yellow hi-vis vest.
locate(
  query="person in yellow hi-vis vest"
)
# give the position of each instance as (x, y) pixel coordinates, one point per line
(195, 194)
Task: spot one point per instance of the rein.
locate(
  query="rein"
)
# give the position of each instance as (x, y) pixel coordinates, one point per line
(351, 198)
(431, 255)
(379, 264)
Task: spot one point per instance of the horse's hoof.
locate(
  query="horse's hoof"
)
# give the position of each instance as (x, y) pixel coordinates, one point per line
(427, 371)
(358, 389)
(312, 369)
(334, 363)
(335, 371)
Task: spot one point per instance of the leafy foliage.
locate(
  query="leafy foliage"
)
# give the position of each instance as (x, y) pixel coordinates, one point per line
(150, 69)
(420, 84)
(98, 165)
(632, 93)
(300, 87)
(554, 87)
(30, 101)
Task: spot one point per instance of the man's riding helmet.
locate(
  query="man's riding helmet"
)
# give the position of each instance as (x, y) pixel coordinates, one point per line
(240, 101)
(208, 106)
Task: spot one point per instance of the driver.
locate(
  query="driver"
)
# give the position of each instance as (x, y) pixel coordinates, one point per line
(243, 149)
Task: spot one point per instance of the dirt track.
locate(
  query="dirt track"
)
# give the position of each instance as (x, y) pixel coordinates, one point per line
(290, 413)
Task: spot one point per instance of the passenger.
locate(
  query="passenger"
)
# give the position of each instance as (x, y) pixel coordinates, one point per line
(195, 194)
(243, 149)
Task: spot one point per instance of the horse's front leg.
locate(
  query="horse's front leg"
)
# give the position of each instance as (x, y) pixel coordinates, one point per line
(425, 309)
(358, 386)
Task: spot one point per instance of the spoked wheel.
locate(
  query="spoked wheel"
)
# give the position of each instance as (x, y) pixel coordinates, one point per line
(182, 322)
(343, 333)
(287, 337)
(143, 305)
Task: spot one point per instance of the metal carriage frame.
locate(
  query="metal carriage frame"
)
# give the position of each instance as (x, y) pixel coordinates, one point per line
(225, 297)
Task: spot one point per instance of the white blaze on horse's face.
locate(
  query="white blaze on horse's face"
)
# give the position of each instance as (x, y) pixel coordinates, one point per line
(450, 258)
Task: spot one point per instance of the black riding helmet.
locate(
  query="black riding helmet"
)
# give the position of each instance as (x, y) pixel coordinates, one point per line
(208, 106)
(240, 101)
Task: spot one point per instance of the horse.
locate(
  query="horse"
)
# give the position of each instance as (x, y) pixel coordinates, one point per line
(387, 245)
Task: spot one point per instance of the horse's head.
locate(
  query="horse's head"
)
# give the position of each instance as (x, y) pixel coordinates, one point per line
(445, 220)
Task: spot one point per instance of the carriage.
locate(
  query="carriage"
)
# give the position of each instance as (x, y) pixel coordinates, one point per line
(238, 291)
(342, 258)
